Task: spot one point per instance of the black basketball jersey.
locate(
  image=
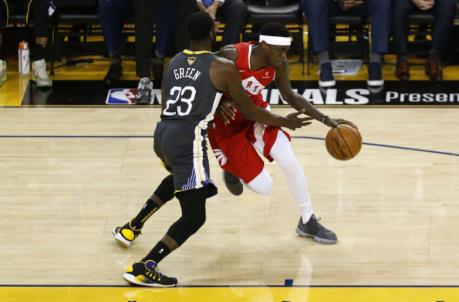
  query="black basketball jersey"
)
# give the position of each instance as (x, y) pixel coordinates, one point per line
(189, 93)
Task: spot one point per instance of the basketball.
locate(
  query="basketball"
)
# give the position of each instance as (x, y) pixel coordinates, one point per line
(343, 142)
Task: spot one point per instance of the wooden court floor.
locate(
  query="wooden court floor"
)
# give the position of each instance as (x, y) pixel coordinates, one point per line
(69, 175)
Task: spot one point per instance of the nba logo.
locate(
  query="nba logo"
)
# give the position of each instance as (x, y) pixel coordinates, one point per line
(118, 96)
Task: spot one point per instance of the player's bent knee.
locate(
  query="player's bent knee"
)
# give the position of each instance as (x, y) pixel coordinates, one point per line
(262, 184)
(199, 222)
(195, 222)
(267, 190)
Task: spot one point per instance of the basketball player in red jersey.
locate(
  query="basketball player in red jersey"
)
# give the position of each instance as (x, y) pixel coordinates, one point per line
(235, 140)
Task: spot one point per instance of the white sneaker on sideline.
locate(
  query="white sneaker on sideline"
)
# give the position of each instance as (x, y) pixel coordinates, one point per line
(3, 76)
(40, 75)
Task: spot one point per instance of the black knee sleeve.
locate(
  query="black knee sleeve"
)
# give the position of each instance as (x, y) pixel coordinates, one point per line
(165, 190)
(196, 221)
(193, 205)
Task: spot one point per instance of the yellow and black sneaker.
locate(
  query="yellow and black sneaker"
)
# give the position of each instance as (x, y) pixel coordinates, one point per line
(126, 234)
(146, 274)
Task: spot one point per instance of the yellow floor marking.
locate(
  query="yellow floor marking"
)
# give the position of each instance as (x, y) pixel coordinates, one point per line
(227, 294)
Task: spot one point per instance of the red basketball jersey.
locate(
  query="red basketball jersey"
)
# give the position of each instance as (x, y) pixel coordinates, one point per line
(232, 143)
(253, 81)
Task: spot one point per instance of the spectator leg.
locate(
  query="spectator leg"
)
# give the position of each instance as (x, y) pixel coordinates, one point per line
(234, 14)
(112, 15)
(3, 22)
(41, 20)
(144, 15)
(318, 14)
(445, 11)
(182, 9)
(400, 11)
(164, 29)
(380, 16)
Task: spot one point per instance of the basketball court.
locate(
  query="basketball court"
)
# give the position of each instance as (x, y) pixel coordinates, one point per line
(69, 175)
(73, 167)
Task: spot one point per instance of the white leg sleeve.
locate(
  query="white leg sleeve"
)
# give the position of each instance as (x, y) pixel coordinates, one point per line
(262, 184)
(282, 153)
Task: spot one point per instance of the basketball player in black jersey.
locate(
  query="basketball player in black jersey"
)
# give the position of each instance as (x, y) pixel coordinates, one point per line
(192, 89)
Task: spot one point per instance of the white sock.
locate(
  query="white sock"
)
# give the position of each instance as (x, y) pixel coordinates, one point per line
(282, 153)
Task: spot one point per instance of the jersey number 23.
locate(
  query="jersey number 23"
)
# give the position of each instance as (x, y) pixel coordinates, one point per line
(180, 101)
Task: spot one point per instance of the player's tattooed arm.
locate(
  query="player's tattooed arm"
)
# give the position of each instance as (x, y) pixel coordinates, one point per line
(228, 52)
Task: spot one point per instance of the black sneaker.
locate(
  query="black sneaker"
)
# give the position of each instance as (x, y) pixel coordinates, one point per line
(375, 75)
(313, 229)
(114, 73)
(126, 234)
(146, 274)
(233, 183)
(144, 95)
(326, 76)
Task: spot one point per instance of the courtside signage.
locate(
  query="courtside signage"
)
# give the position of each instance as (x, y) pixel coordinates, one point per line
(346, 93)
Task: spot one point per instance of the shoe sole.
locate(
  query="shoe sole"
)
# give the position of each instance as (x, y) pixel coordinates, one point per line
(235, 188)
(120, 238)
(326, 84)
(143, 103)
(133, 280)
(317, 239)
(375, 83)
(43, 85)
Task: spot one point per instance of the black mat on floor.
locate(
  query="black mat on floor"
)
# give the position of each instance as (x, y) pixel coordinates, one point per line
(72, 93)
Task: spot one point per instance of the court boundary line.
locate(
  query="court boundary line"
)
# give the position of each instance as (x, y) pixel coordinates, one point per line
(229, 286)
(297, 137)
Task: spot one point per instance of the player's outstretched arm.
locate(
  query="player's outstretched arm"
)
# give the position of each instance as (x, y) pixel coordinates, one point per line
(298, 102)
(225, 77)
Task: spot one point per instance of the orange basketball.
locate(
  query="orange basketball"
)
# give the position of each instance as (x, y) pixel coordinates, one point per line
(343, 142)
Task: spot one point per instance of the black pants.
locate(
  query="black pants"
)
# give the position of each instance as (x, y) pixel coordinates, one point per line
(318, 13)
(182, 9)
(444, 11)
(145, 15)
(36, 12)
(144, 18)
(234, 13)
